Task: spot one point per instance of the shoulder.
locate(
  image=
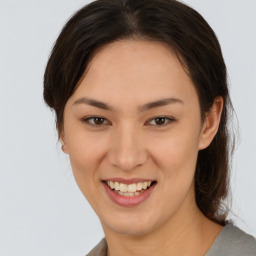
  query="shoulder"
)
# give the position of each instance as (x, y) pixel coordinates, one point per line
(99, 250)
(233, 241)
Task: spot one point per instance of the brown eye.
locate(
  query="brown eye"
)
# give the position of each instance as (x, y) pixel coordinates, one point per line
(161, 121)
(98, 120)
(95, 121)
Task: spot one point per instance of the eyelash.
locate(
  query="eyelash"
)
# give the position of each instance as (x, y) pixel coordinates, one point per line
(170, 120)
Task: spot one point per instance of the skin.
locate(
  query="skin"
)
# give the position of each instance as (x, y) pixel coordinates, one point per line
(130, 144)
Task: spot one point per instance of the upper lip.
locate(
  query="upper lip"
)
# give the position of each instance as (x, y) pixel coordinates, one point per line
(128, 181)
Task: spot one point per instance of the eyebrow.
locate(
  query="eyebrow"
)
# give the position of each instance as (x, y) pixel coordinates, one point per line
(142, 108)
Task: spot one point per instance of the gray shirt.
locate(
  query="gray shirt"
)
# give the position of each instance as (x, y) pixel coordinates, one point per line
(231, 241)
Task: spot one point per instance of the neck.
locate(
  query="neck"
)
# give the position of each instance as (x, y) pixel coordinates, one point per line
(194, 236)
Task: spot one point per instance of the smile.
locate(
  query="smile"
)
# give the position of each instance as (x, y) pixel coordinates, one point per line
(133, 189)
(130, 194)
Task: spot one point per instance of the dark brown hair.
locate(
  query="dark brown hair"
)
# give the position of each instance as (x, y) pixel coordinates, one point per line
(189, 35)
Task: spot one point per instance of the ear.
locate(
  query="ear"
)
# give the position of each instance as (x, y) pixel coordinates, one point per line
(211, 123)
(63, 142)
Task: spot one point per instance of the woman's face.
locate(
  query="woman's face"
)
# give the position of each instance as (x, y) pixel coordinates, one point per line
(135, 118)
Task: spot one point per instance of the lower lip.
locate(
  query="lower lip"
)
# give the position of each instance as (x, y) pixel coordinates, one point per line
(128, 200)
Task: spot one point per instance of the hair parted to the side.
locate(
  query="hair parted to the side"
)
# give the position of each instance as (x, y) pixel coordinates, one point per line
(189, 35)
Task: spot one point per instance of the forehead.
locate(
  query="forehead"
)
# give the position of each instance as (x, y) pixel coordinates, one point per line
(135, 71)
(134, 57)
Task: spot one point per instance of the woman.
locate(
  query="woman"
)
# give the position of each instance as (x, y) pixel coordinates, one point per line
(142, 106)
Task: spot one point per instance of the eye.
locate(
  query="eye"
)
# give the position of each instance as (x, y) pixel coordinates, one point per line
(95, 121)
(161, 120)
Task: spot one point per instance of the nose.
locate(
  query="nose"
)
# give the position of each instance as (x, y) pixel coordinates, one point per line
(127, 150)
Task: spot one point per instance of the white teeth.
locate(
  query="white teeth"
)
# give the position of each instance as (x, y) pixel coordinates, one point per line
(139, 186)
(132, 188)
(117, 185)
(144, 185)
(112, 184)
(129, 194)
(123, 187)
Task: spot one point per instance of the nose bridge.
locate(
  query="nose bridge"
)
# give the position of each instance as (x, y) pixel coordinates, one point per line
(127, 151)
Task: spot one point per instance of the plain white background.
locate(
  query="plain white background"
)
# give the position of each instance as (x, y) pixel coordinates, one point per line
(42, 211)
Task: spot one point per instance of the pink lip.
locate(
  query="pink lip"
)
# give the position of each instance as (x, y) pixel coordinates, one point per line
(128, 201)
(128, 181)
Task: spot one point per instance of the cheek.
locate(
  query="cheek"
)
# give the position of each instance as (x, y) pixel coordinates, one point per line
(176, 151)
(82, 145)
(85, 152)
(177, 157)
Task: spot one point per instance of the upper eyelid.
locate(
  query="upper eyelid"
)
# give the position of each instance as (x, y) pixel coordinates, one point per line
(163, 116)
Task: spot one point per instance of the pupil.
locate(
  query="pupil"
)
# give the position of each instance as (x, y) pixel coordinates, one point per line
(98, 120)
(160, 121)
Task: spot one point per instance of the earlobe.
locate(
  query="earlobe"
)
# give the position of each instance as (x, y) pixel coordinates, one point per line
(211, 123)
(63, 148)
(63, 144)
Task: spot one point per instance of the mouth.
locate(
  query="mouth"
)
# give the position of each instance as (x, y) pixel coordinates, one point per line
(133, 189)
(126, 193)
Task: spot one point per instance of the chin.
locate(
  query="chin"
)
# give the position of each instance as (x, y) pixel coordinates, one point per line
(131, 230)
(134, 226)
